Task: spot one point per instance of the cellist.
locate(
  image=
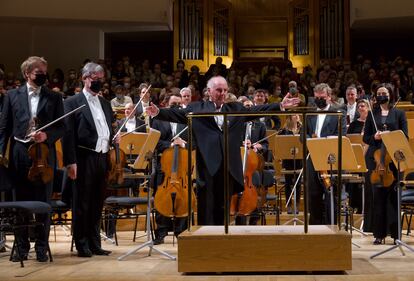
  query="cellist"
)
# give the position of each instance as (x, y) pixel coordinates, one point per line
(384, 116)
(168, 131)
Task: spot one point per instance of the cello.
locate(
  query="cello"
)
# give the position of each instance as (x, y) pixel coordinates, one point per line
(246, 203)
(171, 198)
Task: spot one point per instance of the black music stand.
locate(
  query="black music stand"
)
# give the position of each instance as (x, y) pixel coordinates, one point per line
(324, 155)
(399, 149)
(290, 148)
(147, 158)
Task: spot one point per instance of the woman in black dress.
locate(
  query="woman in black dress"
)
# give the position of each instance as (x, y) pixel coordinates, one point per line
(386, 118)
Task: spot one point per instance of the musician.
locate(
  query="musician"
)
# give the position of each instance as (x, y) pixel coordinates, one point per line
(133, 123)
(209, 137)
(271, 122)
(351, 105)
(145, 95)
(185, 96)
(85, 148)
(120, 99)
(168, 131)
(354, 189)
(21, 107)
(388, 118)
(321, 126)
(292, 126)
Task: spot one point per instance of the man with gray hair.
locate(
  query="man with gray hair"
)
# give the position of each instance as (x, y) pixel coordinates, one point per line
(26, 108)
(85, 148)
(185, 96)
(351, 110)
(208, 133)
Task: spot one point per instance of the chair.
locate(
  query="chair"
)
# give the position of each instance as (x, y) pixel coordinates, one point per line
(407, 208)
(123, 207)
(13, 215)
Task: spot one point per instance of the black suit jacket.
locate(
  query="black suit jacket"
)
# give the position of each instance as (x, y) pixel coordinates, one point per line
(258, 132)
(209, 137)
(330, 124)
(81, 130)
(138, 122)
(166, 134)
(396, 120)
(16, 115)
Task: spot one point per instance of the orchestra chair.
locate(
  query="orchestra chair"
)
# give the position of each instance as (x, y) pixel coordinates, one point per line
(407, 202)
(61, 201)
(13, 216)
(124, 207)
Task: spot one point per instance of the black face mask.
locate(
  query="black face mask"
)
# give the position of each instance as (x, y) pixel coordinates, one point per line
(320, 103)
(175, 106)
(40, 79)
(96, 86)
(382, 99)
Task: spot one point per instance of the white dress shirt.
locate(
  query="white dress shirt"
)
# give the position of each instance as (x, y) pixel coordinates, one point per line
(320, 120)
(350, 110)
(131, 124)
(173, 128)
(102, 144)
(34, 97)
(219, 118)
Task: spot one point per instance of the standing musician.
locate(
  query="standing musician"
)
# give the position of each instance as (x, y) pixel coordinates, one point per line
(85, 148)
(384, 116)
(209, 137)
(354, 189)
(321, 126)
(21, 107)
(293, 126)
(168, 131)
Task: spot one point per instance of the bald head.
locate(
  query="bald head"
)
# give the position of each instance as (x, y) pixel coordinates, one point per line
(217, 89)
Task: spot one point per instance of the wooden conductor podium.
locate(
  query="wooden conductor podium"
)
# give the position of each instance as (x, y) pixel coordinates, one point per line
(264, 248)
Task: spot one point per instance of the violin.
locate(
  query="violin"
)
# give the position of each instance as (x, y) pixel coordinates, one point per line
(40, 171)
(116, 164)
(382, 174)
(246, 203)
(171, 198)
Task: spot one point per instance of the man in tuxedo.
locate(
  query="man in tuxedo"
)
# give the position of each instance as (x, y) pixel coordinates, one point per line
(168, 131)
(133, 123)
(351, 105)
(85, 150)
(321, 126)
(23, 107)
(208, 135)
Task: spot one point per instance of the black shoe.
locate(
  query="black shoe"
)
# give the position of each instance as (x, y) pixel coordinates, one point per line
(378, 241)
(84, 253)
(42, 257)
(101, 252)
(16, 258)
(158, 241)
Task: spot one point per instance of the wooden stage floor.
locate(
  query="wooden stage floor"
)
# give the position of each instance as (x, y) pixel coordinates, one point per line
(66, 266)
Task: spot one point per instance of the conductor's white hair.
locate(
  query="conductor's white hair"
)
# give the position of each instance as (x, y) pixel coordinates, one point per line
(91, 68)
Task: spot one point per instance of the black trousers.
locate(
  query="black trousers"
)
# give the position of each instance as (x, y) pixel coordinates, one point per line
(88, 196)
(385, 212)
(165, 224)
(30, 191)
(210, 195)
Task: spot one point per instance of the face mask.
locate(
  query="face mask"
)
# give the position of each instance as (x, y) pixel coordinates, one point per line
(55, 80)
(126, 85)
(278, 93)
(119, 96)
(320, 103)
(96, 86)
(113, 83)
(382, 99)
(312, 84)
(40, 79)
(175, 106)
(72, 76)
(293, 90)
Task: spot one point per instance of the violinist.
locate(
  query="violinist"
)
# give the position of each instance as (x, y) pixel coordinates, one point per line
(133, 123)
(357, 126)
(209, 137)
(384, 117)
(21, 106)
(321, 126)
(85, 151)
(293, 126)
(168, 131)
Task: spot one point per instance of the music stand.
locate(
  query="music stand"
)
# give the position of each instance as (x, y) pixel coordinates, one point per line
(399, 149)
(324, 152)
(289, 147)
(147, 158)
(132, 143)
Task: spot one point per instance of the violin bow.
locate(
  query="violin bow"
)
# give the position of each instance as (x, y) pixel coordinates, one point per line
(28, 137)
(137, 128)
(265, 138)
(130, 114)
(179, 134)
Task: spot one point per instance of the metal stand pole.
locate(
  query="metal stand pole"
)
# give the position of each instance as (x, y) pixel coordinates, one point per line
(295, 218)
(399, 156)
(150, 242)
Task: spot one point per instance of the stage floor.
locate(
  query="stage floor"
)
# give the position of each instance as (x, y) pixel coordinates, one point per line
(66, 266)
